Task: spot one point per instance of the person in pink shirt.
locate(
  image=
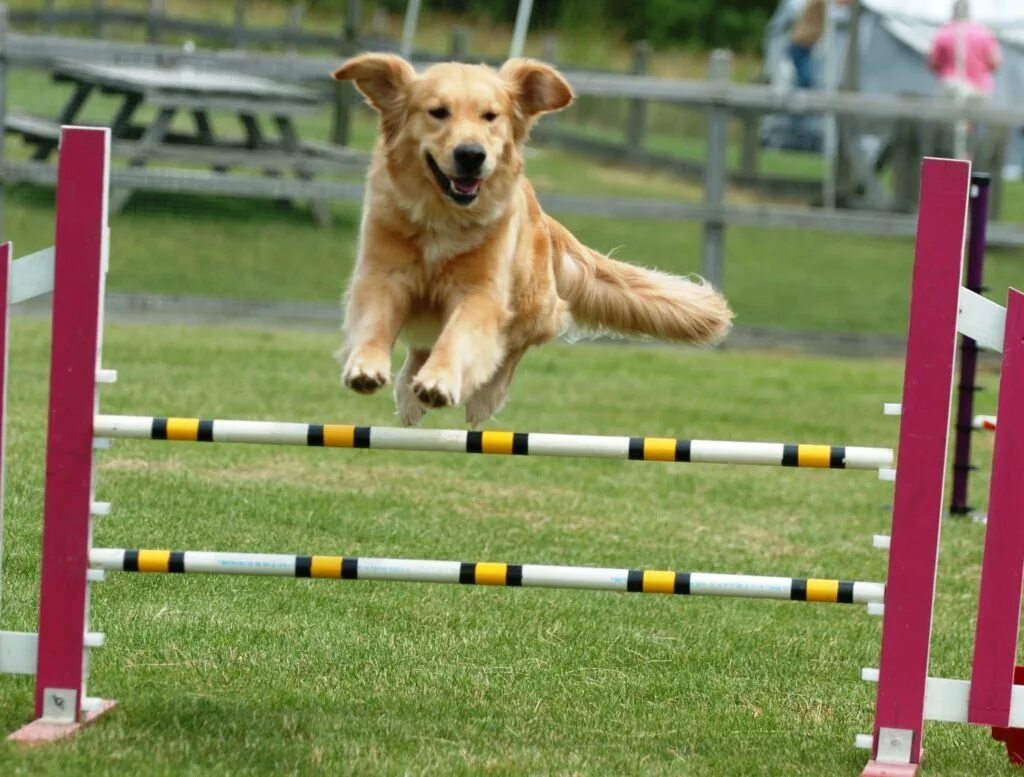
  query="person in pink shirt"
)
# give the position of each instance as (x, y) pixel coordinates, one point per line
(965, 55)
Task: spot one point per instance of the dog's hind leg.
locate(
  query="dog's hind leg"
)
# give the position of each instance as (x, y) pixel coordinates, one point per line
(409, 409)
(490, 397)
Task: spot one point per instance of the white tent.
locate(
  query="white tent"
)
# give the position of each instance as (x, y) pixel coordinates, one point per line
(894, 40)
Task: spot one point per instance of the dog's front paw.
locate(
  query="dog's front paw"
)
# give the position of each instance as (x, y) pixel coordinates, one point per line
(433, 392)
(365, 374)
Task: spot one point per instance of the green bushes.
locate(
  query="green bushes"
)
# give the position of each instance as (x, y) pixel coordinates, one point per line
(736, 24)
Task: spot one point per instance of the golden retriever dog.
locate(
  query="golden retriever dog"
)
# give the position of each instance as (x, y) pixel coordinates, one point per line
(458, 260)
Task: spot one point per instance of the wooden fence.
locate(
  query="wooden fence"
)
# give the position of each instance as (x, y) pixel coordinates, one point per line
(719, 98)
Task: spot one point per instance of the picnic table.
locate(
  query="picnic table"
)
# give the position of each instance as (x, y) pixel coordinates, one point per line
(151, 98)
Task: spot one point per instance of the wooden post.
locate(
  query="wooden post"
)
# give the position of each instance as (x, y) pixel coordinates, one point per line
(294, 24)
(101, 21)
(636, 119)
(830, 141)
(845, 179)
(157, 8)
(238, 24)
(715, 174)
(344, 92)
(459, 45)
(48, 8)
(751, 144)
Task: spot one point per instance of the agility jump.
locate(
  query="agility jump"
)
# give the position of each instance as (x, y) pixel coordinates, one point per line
(58, 654)
(493, 442)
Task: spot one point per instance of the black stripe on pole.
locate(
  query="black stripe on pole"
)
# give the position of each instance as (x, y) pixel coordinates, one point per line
(474, 442)
(176, 563)
(790, 455)
(635, 581)
(682, 450)
(798, 589)
(205, 432)
(837, 457)
(845, 595)
(636, 448)
(315, 435)
(520, 444)
(514, 575)
(682, 584)
(159, 430)
(303, 566)
(361, 437)
(131, 561)
(467, 572)
(349, 568)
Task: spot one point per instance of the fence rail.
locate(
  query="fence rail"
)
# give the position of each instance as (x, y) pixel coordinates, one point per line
(722, 98)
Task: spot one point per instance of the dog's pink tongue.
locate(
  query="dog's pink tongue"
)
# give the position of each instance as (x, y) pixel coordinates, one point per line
(466, 185)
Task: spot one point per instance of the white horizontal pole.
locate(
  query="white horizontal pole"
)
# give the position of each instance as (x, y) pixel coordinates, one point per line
(986, 422)
(947, 700)
(494, 442)
(488, 573)
(981, 319)
(31, 276)
(18, 651)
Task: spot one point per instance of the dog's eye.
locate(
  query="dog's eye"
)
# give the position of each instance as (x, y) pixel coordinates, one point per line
(489, 116)
(439, 113)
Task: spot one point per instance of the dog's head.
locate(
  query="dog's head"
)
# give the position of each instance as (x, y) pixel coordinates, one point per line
(458, 126)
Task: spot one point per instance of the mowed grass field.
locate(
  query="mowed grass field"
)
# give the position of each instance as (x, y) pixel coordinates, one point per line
(250, 676)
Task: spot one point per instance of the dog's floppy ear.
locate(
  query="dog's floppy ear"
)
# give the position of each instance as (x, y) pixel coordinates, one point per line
(537, 88)
(381, 77)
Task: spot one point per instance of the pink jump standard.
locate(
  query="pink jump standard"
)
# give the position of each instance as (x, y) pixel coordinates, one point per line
(79, 264)
(921, 467)
(995, 640)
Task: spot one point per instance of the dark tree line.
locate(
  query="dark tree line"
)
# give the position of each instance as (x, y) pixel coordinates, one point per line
(736, 24)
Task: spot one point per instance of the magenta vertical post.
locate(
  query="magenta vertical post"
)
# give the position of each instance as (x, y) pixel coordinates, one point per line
(79, 255)
(1002, 570)
(921, 465)
(6, 256)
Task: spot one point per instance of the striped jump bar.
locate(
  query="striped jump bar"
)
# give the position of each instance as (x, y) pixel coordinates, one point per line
(510, 443)
(986, 422)
(488, 573)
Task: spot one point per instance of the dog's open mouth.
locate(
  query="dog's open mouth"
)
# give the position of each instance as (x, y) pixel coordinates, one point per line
(462, 191)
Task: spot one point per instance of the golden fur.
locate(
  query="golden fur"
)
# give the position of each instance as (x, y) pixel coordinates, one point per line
(470, 272)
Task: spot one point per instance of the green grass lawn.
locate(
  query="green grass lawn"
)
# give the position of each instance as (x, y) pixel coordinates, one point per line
(254, 676)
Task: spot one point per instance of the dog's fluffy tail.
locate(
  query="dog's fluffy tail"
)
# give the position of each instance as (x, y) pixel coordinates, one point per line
(607, 294)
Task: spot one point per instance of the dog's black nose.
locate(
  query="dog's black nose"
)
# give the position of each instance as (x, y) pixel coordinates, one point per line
(469, 158)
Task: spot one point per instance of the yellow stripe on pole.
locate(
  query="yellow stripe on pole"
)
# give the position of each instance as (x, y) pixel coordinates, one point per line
(814, 456)
(491, 573)
(496, 442)
(325, 566)
(659, 449)
(822, 590)
(339, 436)
(183, 429)
(656, 582)
(155, 560)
